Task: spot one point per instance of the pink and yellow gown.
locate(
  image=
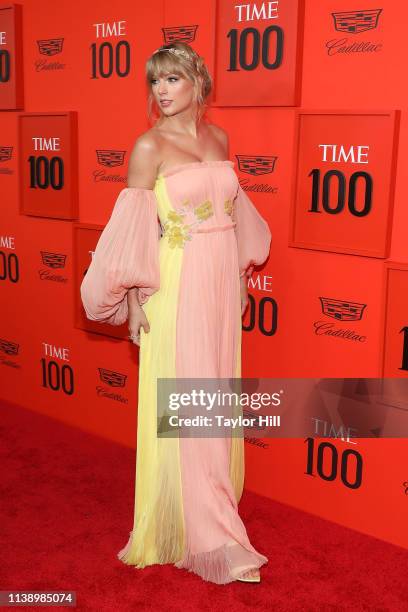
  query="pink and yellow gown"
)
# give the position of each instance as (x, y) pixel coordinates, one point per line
(188, 280)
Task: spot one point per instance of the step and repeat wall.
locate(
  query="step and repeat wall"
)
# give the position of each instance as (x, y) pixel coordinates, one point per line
(314, 99)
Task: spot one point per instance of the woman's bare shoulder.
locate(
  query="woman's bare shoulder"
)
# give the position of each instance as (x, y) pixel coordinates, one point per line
(218, 131)
(144, 161)
(148, 140)
(221, 135)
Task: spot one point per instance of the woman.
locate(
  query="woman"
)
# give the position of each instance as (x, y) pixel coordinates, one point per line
(183, 292)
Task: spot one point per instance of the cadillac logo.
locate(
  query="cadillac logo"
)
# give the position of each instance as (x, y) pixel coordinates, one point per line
(5, 153)
(113, 379)
(341, 310)
(53, 260)
(256, 165)
(8, 347)
(110, 158)
(179, 34)
(51, 46)
(354, 22)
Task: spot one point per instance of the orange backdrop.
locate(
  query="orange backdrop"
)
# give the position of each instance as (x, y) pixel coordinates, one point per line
(51, 365)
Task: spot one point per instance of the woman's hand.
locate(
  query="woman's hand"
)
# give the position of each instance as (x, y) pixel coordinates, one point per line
(244, 293)
(137, 319)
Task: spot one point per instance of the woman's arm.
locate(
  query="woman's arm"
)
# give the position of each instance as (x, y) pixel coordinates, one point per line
(133, 300)
(143, 166)
(223, 139)
(144, 162)
(244, 293)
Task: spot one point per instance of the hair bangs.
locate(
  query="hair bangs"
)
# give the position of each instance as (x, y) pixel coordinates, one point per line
(161, 64)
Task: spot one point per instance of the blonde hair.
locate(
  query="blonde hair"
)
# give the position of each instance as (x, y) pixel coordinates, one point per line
(183, 61)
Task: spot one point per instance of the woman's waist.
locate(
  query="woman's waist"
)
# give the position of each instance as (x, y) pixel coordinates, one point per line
(212, 228)
(178, 234)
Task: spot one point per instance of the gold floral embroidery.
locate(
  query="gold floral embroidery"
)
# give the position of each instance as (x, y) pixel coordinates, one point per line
(174, 217)
(177, 234)
(177, 230)
(229, 207)
(204, 211)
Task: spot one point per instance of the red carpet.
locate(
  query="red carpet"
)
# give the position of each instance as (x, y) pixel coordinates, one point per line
(67, 509)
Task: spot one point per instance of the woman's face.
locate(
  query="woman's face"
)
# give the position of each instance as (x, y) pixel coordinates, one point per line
(173, 93)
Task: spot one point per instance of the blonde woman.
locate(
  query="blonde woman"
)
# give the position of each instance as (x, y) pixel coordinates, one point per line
(182, 286)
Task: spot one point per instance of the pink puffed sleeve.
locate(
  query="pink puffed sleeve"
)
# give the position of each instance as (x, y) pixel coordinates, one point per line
(252, 233)
(126, 256)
